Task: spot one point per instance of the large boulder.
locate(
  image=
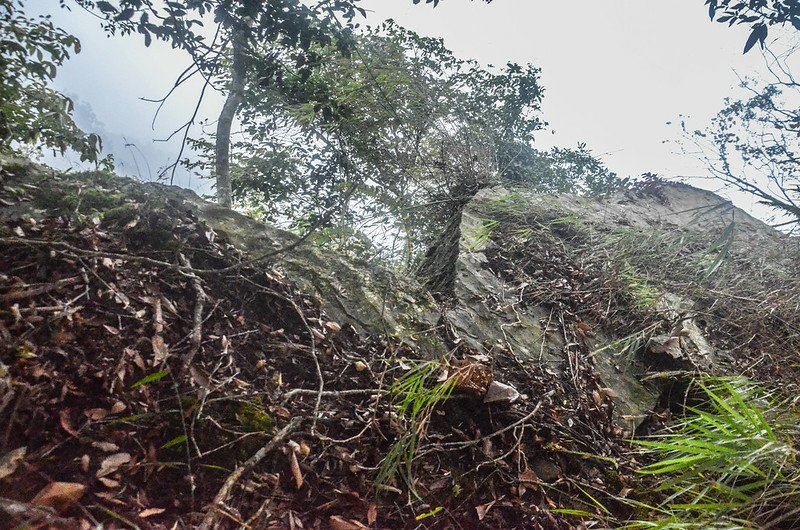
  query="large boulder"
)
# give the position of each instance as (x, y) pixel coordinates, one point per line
(637, 285)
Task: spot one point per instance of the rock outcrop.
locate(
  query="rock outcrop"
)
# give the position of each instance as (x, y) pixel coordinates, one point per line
(627, 241)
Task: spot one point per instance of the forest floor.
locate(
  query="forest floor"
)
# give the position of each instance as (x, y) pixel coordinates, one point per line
(153, 377)
(140, 390)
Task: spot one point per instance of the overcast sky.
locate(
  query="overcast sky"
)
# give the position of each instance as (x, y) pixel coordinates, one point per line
(615, 73)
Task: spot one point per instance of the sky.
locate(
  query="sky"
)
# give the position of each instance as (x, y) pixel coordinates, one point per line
(619, 75)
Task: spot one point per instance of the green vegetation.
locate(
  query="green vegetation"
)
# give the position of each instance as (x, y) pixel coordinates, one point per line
(482, 234)
(731, 463)
(641, 292)
(32, 113)
(512, 206)
(630, 347)
(759, 14)
(253, 418)
(710, 262)
(415, 396)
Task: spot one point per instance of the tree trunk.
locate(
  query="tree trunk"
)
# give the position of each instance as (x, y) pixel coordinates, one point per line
(229, 109)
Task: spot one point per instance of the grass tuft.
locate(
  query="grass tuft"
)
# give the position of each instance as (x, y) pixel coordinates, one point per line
(415, 396)
(733, 463)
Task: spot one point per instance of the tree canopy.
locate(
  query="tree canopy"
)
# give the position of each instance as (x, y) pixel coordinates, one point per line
(760, 14)
(753, 145)
(288, 27)
(31, 51)
(380, 146)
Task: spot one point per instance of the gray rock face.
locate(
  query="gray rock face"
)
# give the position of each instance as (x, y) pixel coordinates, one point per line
(490, 312)
(371, 299)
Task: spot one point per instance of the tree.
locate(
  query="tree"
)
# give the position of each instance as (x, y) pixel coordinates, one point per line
(31, 50)
(292, 26)
(561, 170)
(753, 143)
(381, 147)
(377, 134)
(761, 14)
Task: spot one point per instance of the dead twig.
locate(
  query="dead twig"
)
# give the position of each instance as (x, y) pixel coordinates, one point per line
(39, 290)
(507, 428)
(197, 318)
(190, 472)
(312, 343)
(30, 513)
(332, 393)
(88, 253)
(212, 516)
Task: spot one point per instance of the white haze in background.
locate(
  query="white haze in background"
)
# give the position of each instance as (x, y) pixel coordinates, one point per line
(617, 75)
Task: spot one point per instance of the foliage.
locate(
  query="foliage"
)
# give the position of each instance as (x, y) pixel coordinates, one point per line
(390, 140)
(290, 23)
(760, 13)
(560, 170)
(223, 58)
(391, 137)
(415, 395)
(643, 295)
(289, 29)
(753, 145)
(734, 459)
(30, 111)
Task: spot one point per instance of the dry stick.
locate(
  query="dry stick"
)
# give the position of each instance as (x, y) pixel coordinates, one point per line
(192, 484)
(495, 433)
(84, 252)
(36, 291)
(332, 393)
(197, 318)
(212, 516)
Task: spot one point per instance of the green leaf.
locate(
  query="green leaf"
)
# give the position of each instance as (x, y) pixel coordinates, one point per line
(126, 14)
(152, 378)
(175, 441)
(574, 513)
(759, 34)
(105, 7)
(712, 8)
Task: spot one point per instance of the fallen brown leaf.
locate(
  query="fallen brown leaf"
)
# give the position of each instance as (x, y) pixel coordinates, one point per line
(109, 483)
(144, 514)
(66, 424)
(96, 414)
(340, 523)
(106, 447)
(11, 460)
(112, 463)
(483, 509)
(298, 475)
(160, 349)
(59, 495)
